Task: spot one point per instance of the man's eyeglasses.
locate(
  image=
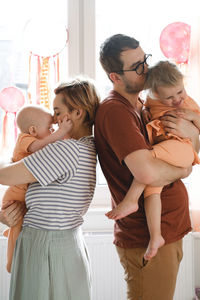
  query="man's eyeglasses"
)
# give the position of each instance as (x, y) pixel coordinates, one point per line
(139, 69)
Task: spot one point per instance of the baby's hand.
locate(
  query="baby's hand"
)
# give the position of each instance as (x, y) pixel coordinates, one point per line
(146, 116)
(66, 125)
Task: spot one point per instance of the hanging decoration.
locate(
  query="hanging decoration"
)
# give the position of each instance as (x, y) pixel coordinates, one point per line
(175, 42)
(43, 75)
(44, 90)
(45, 42)
(11, 100)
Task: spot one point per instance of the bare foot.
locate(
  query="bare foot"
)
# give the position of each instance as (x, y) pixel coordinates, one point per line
(154, 245)
(122, 210)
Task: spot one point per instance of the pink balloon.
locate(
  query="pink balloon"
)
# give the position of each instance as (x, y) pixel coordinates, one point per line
(175, 41)
(11, 99)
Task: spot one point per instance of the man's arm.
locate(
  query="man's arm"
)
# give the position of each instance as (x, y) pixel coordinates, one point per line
(16, 173)
(151, 171)
(181, 127)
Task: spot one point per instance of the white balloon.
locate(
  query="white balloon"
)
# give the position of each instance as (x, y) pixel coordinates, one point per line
(45, 38)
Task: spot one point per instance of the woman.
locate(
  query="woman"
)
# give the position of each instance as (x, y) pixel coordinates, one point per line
(50, 259)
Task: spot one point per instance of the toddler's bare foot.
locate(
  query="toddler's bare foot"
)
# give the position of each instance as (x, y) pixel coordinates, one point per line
(153, 246)
(122, 210)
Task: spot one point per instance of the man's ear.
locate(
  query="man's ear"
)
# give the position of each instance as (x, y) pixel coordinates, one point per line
(115, 77)
(32, 131)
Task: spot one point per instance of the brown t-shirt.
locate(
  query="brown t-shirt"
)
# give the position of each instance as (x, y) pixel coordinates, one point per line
(119, 131)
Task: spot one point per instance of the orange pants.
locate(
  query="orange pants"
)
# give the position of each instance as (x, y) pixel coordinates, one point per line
(16, 192)
(174, 152)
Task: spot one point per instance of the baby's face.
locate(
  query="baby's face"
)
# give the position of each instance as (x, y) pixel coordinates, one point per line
(172, 95)
(44, 127)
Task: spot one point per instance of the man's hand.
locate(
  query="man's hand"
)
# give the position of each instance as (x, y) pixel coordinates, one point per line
(185, 114)
(146, 116)
(179, 126)
(12, 214)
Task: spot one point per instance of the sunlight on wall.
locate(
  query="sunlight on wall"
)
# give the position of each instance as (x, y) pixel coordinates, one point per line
(144, 20)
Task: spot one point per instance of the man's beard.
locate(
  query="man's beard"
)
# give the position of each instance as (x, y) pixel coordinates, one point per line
(131, 88)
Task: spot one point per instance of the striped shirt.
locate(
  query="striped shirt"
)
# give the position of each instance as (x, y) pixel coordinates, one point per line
(66, 175)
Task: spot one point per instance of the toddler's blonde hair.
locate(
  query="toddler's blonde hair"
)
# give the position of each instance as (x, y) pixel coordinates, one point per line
(164, 74)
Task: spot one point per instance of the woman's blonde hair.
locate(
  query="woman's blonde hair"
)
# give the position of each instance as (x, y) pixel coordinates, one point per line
(165, 74)
(80, 93)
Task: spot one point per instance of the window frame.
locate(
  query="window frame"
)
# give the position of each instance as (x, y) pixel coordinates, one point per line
(82, 60)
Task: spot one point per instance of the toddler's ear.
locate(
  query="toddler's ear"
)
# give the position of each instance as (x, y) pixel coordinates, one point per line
(32, 131)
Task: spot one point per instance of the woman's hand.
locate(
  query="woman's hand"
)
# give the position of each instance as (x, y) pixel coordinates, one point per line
(11, 214)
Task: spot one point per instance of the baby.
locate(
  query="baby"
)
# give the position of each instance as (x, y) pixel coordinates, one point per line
(35, 124)
(166, 94)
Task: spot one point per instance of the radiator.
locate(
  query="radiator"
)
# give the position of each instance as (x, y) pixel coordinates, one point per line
(4, 275)
(107, 273)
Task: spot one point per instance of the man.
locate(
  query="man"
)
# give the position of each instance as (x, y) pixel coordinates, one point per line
(123, 152)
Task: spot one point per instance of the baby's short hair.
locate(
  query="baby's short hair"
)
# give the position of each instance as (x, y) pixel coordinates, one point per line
(30, 115)
(164, 74)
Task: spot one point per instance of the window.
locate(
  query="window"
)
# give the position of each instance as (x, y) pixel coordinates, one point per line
(36, 26)
(89, 23)
(145, 21)
(24, 29)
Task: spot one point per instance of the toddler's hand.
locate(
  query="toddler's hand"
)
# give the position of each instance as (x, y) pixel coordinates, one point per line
(66, 125)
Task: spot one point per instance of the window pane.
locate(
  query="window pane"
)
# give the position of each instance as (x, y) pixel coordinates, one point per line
(143, 20)
(25, 28)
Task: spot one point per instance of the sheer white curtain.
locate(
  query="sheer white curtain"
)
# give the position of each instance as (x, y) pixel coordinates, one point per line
(193, 89)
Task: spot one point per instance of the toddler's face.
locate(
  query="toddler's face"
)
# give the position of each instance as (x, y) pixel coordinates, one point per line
(44, 127)
(172, 95)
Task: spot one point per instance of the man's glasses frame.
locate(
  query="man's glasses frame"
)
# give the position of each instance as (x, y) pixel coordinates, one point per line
(137, 68)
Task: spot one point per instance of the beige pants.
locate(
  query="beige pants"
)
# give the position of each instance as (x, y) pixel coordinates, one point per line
(154, 279)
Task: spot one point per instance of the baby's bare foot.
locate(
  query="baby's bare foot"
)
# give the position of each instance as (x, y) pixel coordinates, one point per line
(122, 210)
(154, 245)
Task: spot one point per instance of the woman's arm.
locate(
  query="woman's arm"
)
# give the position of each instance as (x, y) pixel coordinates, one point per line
(16, 173)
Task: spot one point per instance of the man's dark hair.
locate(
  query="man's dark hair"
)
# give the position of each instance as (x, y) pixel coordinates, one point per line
(111, 49)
